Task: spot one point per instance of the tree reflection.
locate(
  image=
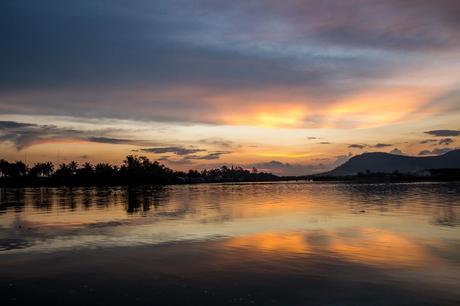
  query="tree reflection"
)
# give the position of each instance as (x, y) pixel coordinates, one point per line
(12, 199)
(42, 199)
(141, 199)
(445, 216)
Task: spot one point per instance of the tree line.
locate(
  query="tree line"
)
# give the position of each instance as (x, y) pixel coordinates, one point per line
(135, 170)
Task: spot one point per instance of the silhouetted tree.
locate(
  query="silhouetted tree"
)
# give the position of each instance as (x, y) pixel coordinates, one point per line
(47, 169)
(41, 169)
(134, 170)
(4, 167)
(16, 169)
(87, 171)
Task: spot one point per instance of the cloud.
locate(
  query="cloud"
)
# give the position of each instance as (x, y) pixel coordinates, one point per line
(188, 154)
(209, 156)
(175, 150)
(177, 162)
(444, 133)
(189, 159)
(210, 59)
(24, 135)
(312, 138)
(356, 146)
(288, 169)
(440, 151)
(362, 146)
(340, 160)
(382, 145)
(428, 141)
(435, 151)
(397, 151)
(424, 152)
(219, 142)
(111, 140)
(324, 142)
(14, 125)
(446, 141)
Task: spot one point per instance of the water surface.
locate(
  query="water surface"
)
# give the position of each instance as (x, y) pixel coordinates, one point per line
(232, 244)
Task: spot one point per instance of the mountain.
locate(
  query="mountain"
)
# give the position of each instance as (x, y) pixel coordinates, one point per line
(389, 163)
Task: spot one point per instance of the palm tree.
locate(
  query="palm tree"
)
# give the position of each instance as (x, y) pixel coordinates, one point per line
(73, 167)
(4, 165)
(47, 169)
(36, 170)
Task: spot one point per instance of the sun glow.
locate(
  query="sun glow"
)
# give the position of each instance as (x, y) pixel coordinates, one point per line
(270, 116)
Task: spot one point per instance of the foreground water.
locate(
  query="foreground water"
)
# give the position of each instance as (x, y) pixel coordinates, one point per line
(232, 244)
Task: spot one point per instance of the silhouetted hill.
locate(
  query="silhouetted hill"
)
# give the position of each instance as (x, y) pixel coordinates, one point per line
(379, 162)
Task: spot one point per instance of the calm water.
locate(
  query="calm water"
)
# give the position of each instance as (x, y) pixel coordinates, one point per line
(232, 244)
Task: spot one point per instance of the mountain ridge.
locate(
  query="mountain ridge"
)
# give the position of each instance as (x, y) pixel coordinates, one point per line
(388, 163)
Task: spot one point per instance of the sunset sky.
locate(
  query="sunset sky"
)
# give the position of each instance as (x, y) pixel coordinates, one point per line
(290, 87)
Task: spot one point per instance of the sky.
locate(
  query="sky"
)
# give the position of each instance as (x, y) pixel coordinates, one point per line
(290, 87)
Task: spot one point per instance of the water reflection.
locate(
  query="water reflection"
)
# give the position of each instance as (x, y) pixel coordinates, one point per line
(141, 200)
(361, 245)
(237, 209)
(325, 234)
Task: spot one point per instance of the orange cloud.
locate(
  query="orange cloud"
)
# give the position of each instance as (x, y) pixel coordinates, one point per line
(269, 115)
(377, 107)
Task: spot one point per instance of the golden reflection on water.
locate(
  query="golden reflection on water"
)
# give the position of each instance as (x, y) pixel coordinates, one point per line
(271, 242)
(377, 246)
(368, 246)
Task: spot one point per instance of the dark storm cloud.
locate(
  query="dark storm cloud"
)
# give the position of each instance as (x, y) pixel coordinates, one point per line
(444, 133)
(96, 58)
(175, 150)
